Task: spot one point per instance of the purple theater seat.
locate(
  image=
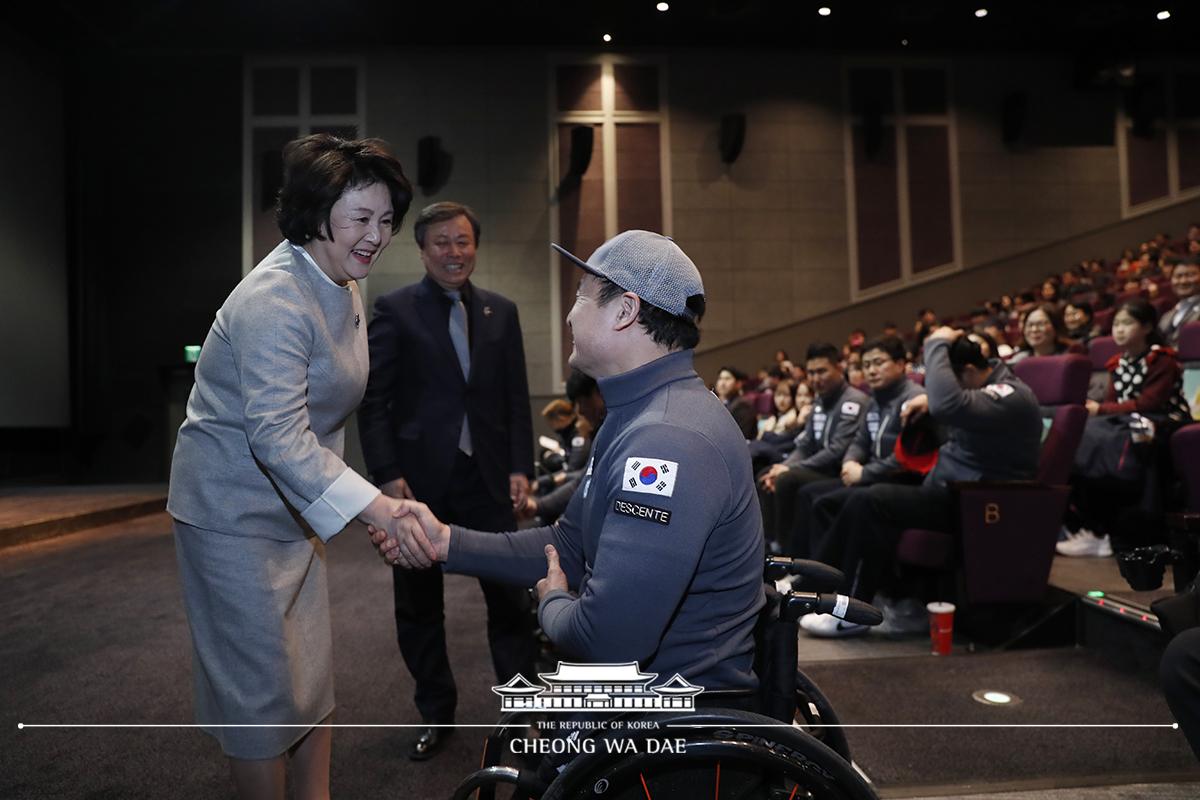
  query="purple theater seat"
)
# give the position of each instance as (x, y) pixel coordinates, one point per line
(1185, 449)
(917, 378)
(764, 404)
(1056, 380)
(1189, 342)
(923, 548)
(1104, 319)
(1100, 350)
(1007, 529)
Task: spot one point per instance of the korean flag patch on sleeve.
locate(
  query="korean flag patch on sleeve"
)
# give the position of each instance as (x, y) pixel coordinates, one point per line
(999, 391)
(649, 476)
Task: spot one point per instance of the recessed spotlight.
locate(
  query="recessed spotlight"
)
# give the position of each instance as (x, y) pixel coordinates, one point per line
(824, 11)
(1164, 15)
(607, 37)
(981, 12)
(992, 697)
(663, 6)
(904, 42)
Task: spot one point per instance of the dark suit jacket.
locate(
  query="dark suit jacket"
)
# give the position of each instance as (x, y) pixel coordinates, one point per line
(412, 412)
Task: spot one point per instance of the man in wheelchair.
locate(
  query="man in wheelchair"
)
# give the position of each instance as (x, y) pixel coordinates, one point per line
(661, 548)
(662, 545)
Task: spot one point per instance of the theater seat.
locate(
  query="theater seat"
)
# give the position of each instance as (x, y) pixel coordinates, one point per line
(1185, 526)
(1100, 350)
(1104, 318)
(1007, 529)
(1189, 342)
(1056, 380)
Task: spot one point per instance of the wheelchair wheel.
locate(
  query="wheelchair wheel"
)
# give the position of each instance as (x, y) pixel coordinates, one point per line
(777, 762)
(815, 715)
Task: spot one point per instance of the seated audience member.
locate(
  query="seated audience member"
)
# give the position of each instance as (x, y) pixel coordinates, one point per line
(729, 386)
(854, 342)
(1050, 293)
(1185, 283)
(994, 332)
(1079, 324)
(1041, 334)
(871, 457)
(786, 420)
(570, 431)
(889, 328)
(926, 322)
(993, 427)
(777, 433)
(1142, 406)
(555, 491)
(837, 409)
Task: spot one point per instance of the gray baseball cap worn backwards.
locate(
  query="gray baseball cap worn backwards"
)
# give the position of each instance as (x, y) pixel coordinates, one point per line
(648, 264)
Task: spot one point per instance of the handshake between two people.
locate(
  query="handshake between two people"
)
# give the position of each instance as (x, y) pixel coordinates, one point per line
(413, 538)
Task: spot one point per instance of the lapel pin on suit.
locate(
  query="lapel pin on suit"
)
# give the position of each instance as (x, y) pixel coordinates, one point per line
(357, 320)
(487, 311)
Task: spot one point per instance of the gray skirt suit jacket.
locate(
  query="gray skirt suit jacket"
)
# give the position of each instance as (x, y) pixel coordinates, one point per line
(258, 485)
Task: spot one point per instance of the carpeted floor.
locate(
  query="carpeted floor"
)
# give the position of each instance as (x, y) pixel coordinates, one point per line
(1054, 686)
(92, 631)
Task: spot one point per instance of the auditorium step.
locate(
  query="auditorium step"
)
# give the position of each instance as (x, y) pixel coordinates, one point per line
(29, 514)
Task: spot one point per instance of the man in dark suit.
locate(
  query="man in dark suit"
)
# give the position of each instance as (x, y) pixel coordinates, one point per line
(1185, 283)
(446, 421)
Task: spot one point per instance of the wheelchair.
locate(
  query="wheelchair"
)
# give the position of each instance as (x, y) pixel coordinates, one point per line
(789, 746)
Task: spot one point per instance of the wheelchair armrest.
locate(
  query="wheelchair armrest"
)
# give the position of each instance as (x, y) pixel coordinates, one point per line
(812, 575)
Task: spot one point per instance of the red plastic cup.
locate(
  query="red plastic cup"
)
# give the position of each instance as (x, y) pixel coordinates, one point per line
(941, 627)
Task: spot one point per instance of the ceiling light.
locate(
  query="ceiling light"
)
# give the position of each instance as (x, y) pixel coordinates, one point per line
(1164, 15)
(824, 11)
(904, 42)
(663, 6)
(607, 37)
(981, 12)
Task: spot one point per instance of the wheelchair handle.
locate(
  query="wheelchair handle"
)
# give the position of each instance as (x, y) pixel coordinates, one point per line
(812, 574)
(797, 604)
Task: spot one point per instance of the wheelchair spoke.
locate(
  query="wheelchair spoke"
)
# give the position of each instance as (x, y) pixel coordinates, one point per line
(645, 787)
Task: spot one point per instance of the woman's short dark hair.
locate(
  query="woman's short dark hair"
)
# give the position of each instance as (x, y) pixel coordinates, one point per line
(675, 333)
(1083, 306)
(441, 212)
(892, 345)
(318, 169)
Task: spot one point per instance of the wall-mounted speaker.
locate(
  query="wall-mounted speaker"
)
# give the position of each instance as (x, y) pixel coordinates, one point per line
(270, 178)
(1014, 114)
(433, 165)
(872, 129)
(731, 137)
(583, 139)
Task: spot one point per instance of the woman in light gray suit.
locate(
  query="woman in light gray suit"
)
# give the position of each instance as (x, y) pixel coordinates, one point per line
(258, 484)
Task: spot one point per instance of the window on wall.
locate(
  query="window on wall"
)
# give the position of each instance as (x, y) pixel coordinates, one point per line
(613, 108)
(1158, 136)
(901, 169)
(284, 100)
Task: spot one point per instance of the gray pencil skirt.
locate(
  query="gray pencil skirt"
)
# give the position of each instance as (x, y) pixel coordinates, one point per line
(262, 654)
